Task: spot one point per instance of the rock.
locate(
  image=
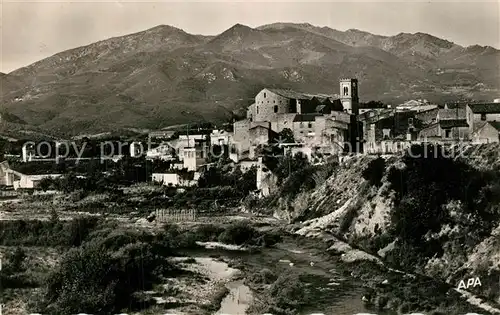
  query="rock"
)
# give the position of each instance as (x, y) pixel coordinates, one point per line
(141, 221)
(151, 217)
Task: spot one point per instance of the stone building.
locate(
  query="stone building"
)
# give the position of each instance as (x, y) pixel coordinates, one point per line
(486, 132)
(271, 103)
(314, 119)
(387, 124)
(451, 130)
(349, 95)
(304, 128)
(482, 112)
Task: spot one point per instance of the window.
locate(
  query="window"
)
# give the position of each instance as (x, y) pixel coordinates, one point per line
(275, 108)
(447, 133)
(257, 109)
(264, 94)
(309, 125)
(410, 121)
(483, 116)
(346, 91)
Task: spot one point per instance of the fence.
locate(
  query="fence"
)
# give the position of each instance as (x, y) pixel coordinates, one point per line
(174, 215)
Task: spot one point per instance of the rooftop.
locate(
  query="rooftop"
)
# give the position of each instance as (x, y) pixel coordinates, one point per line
(485, 108)
(305, 117)
(303, 96)
(452, 114)
(495, 124)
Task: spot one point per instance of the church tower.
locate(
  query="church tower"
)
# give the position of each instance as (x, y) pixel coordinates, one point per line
(349, 95)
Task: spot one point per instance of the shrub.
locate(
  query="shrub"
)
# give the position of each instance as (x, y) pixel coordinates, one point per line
(101, 276)
(16, 259)
(238, 234)
(46, 233)
(374, 172)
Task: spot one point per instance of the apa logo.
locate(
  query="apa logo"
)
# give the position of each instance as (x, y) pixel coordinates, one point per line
(472, 282)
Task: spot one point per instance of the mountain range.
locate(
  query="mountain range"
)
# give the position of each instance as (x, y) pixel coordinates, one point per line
(164, 76)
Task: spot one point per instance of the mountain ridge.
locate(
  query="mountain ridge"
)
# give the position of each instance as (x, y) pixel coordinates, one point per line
(147, 79)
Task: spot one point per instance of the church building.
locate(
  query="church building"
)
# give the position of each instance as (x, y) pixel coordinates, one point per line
(315, 119)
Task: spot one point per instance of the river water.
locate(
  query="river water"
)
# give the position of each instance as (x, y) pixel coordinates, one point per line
(333, 289)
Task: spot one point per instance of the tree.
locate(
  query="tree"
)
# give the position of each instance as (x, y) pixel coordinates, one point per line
(286, 136)
(289, 164)
(16, 259)
(375, 171)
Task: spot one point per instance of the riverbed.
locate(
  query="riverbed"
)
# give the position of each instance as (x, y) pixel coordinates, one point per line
(327, 279)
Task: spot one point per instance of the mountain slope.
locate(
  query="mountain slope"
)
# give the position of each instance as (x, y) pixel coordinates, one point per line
(148, 79)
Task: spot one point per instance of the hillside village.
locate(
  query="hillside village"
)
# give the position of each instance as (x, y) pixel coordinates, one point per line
(314, 163)
(317, 126)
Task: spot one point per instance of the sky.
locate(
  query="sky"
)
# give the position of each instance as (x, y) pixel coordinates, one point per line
(33, 30)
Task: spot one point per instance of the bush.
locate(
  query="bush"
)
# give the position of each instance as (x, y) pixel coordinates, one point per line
(46, 233)
(284, 297)
(16, 260)
(374, 172)
(265, 276)
(424, 187)
(101, 276)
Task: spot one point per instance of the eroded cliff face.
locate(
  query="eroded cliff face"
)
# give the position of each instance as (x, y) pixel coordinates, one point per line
(361, 213)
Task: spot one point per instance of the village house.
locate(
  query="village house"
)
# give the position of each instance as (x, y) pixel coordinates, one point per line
(220, 137)
(176, 179)
(163, 152)
(31, 181)
(428, 116)
(12, 178)
(161, 135)
(7, 175)
(388, 124)
(333, 131)
(482, 112)
(450, 125)
(416, 105)
(486, 132)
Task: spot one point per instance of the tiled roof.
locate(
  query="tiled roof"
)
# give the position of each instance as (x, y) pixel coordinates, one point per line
(258, 126)
(376, 115)
(305, 117)
(455, 105)
(303, 96)
(425, 108)
(429, 131)
(450, 123)
(485, 108)
(495, 124)
(452, 114)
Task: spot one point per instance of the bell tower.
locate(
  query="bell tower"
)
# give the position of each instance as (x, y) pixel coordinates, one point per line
(349, 95)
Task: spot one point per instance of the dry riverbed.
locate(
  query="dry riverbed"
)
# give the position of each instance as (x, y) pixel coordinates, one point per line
(209, 285)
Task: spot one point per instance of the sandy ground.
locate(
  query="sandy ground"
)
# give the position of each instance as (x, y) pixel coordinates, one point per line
(195, 291)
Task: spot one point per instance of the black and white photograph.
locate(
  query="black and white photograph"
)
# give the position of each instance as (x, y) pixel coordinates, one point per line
(249, 157)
